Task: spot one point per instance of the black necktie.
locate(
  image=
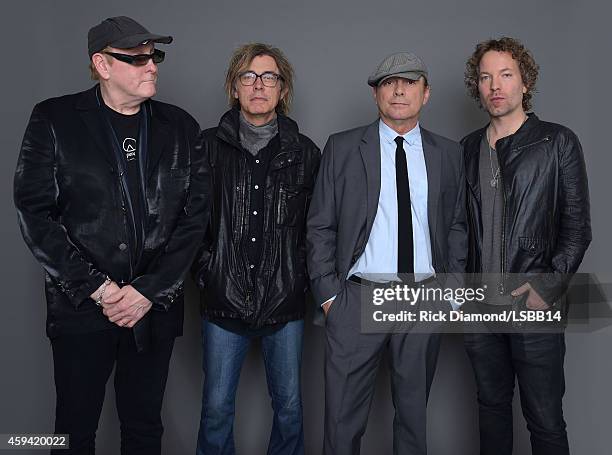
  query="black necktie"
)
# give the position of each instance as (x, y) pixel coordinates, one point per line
(405, 248)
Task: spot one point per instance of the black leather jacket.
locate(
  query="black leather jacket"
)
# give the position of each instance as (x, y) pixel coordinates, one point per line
(546, 225)
(72, 207)
(276, 292)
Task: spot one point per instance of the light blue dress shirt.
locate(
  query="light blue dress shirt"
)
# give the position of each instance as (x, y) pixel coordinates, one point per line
(379, 259)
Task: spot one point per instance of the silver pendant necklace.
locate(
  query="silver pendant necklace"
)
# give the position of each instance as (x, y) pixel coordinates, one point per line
(494, 174)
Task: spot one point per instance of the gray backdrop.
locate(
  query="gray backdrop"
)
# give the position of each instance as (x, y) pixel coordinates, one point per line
(333, 45)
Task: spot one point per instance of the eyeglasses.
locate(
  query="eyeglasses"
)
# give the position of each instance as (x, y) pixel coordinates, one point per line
(269, 79)
(141, 59)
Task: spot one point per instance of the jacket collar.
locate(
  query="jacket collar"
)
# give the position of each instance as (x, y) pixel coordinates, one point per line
(471, 143)
(92, 99)
(433, 164)
(89, 104)
(229, 125)
(90, 109)
(370, 154)
(471, 146)
(526, 128)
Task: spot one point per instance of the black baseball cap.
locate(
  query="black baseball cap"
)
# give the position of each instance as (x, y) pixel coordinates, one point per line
(121, 32)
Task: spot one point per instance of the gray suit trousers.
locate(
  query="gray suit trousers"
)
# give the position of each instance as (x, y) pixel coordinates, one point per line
(352, 359)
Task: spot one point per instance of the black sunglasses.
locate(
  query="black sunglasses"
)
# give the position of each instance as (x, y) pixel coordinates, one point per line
(141, 59)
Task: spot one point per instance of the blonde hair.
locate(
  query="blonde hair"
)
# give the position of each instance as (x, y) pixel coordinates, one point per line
(527, 66)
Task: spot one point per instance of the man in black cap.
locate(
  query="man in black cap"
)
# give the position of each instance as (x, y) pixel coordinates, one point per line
(112, 196)
(388, 203)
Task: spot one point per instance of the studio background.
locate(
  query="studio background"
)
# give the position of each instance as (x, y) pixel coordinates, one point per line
(333, 45)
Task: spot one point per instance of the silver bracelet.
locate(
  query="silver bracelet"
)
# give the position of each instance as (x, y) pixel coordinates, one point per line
(107, 281)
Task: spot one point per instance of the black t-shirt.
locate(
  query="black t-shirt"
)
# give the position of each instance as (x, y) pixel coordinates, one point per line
(127, 129)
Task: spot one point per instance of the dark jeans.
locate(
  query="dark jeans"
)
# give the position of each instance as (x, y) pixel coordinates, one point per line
(83, 364)
(223, 355)
(536, 360)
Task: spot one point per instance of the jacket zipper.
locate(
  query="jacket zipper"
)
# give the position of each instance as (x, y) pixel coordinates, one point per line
(248, 303)
(501, 284)
(501, 287)
(544, 139)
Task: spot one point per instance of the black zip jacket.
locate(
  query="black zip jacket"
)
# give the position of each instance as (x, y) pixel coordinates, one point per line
(546, 225)
(275, 292)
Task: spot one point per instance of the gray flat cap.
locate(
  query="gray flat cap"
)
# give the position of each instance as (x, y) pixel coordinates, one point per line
(401, 64)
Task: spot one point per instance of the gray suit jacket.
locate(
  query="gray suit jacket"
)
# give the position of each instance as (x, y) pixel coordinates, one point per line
(345, 200)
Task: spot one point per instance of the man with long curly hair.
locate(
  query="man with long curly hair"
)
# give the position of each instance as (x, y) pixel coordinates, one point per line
(528, 207)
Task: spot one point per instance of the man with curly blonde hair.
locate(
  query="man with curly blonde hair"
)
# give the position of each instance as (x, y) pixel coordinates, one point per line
(529, 226)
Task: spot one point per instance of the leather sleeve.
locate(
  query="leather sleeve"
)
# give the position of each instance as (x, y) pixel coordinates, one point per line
(314, 161)
(203, 255)
(36, 195)
(574, 221)
(163, 281)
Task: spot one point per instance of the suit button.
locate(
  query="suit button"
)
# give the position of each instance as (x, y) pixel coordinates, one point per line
(122, 246)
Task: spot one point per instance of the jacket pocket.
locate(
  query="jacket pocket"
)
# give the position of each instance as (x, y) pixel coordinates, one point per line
(290, 204)
(532, 245)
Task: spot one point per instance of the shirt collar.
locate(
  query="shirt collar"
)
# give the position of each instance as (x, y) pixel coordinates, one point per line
(387, 134)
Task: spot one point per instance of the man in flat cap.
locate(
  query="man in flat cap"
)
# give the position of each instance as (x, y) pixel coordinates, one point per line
(112, 196)
(388, 200)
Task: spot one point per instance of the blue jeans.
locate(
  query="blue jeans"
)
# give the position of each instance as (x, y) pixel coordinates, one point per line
(536, 360)
(223, 355)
